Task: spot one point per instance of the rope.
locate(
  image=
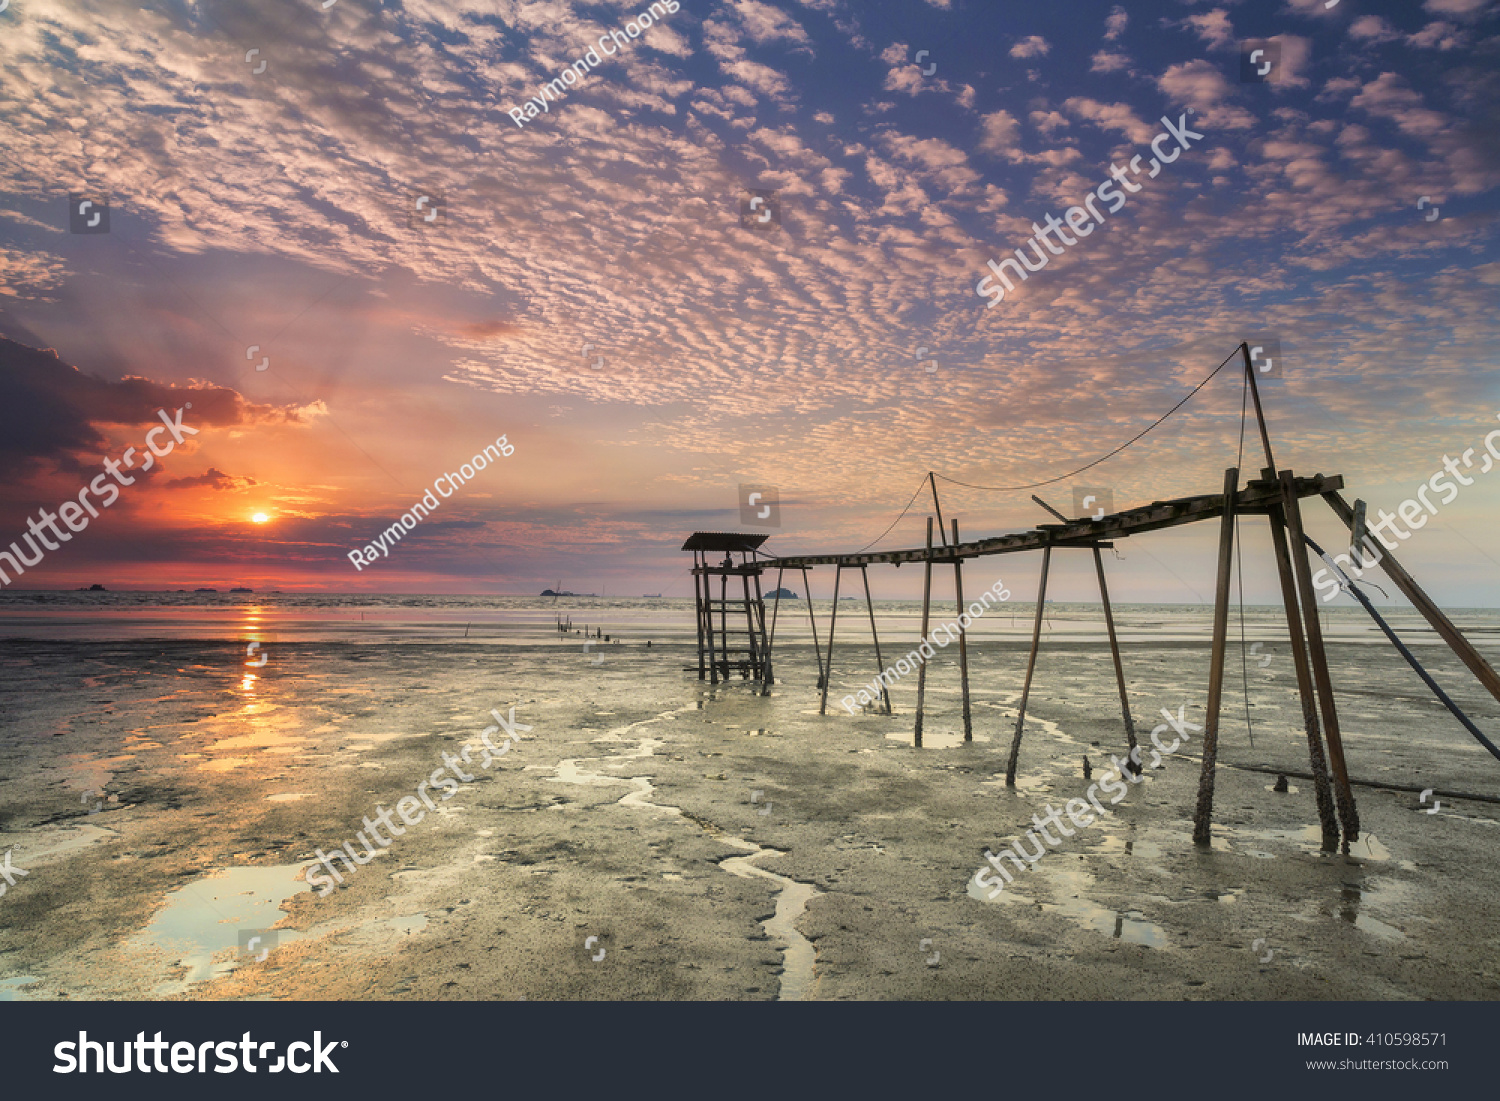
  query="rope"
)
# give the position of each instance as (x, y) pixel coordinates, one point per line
(1348, 586)
(1102, 458)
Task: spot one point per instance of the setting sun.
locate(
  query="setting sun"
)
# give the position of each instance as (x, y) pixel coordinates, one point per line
(260, 518)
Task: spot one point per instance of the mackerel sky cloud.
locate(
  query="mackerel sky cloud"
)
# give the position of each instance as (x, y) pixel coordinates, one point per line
(908, 143)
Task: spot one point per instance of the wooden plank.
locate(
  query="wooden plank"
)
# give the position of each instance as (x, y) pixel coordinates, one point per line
(1255, 499)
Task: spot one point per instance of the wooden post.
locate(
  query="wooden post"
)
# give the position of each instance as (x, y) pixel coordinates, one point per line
(702, 602)
(1343, 794)
(1036, 641)
(775, 608)
(1114, 649)
(833, 619)
(1203, 815)
(879, 661)
(767, 679)
(926, 610)
(751, 642)
(1322, 792)
(813, 619)
(1423, 603)
(963, 646)
(724, 622)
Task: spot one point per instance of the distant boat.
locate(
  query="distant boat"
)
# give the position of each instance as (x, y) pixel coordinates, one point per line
(651, 596)
(242, 590)
(205, 590)
(785, 594)
(94, 589)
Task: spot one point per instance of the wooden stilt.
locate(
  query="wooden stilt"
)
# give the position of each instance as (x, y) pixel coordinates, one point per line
(752, 641)
(1317, 762)
(963, 646)
(701, 599)
(885, 693)
(775, 610)
(1342, 793)
(1203, 815)
(724, 622)
(833, 619)
(1422, 602)
(1114, 649)
(1036, 642)
(813, 619)
(926, 611)
(767, 678)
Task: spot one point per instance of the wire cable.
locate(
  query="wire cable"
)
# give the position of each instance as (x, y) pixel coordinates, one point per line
(1348, 586)
(897, 520)
(1112, 454)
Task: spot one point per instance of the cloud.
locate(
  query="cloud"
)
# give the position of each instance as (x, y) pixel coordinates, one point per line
(1372, 28)
(1214, 28)
(998, 133)
(1031, 46)
(1106, 62)
(1438, 36)
(212, 478)
(1461, 8)
(1111, 116)
(1115, 22)
(489, 330)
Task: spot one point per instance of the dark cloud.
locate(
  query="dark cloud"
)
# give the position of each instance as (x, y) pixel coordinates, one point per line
(50, 411)
(214, 478)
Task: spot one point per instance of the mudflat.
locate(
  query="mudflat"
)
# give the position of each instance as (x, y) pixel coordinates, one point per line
(651, 837)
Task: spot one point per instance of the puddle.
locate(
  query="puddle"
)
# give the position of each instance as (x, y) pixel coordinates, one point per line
(936, 739)
(10, 989)
(203, 919)
(1129, 926)
(791, 901)
(288, 797)
(800, 957)
(60, 843)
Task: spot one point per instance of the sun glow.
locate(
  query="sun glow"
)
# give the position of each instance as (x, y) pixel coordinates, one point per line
(260, 518)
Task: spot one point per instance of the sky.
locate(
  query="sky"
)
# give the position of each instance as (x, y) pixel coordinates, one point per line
(589, 287)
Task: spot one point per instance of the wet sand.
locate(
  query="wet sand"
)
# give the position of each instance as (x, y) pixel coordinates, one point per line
(717, 844)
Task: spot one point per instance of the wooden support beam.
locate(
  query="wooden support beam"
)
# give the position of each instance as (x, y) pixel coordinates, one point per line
(1317, 762)
(701, 599)
(1114, 649)
(885, 692)
(926, 611)
(1260, 414)
(963, 645)
(766, 677)
(813, 619)
(1036, 642)
(833, 620)
(1343, 795)
(1255, 499)
(1422, 602)
(1203, 815)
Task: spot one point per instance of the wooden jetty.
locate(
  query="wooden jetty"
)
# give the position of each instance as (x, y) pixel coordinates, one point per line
(1276, 495)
